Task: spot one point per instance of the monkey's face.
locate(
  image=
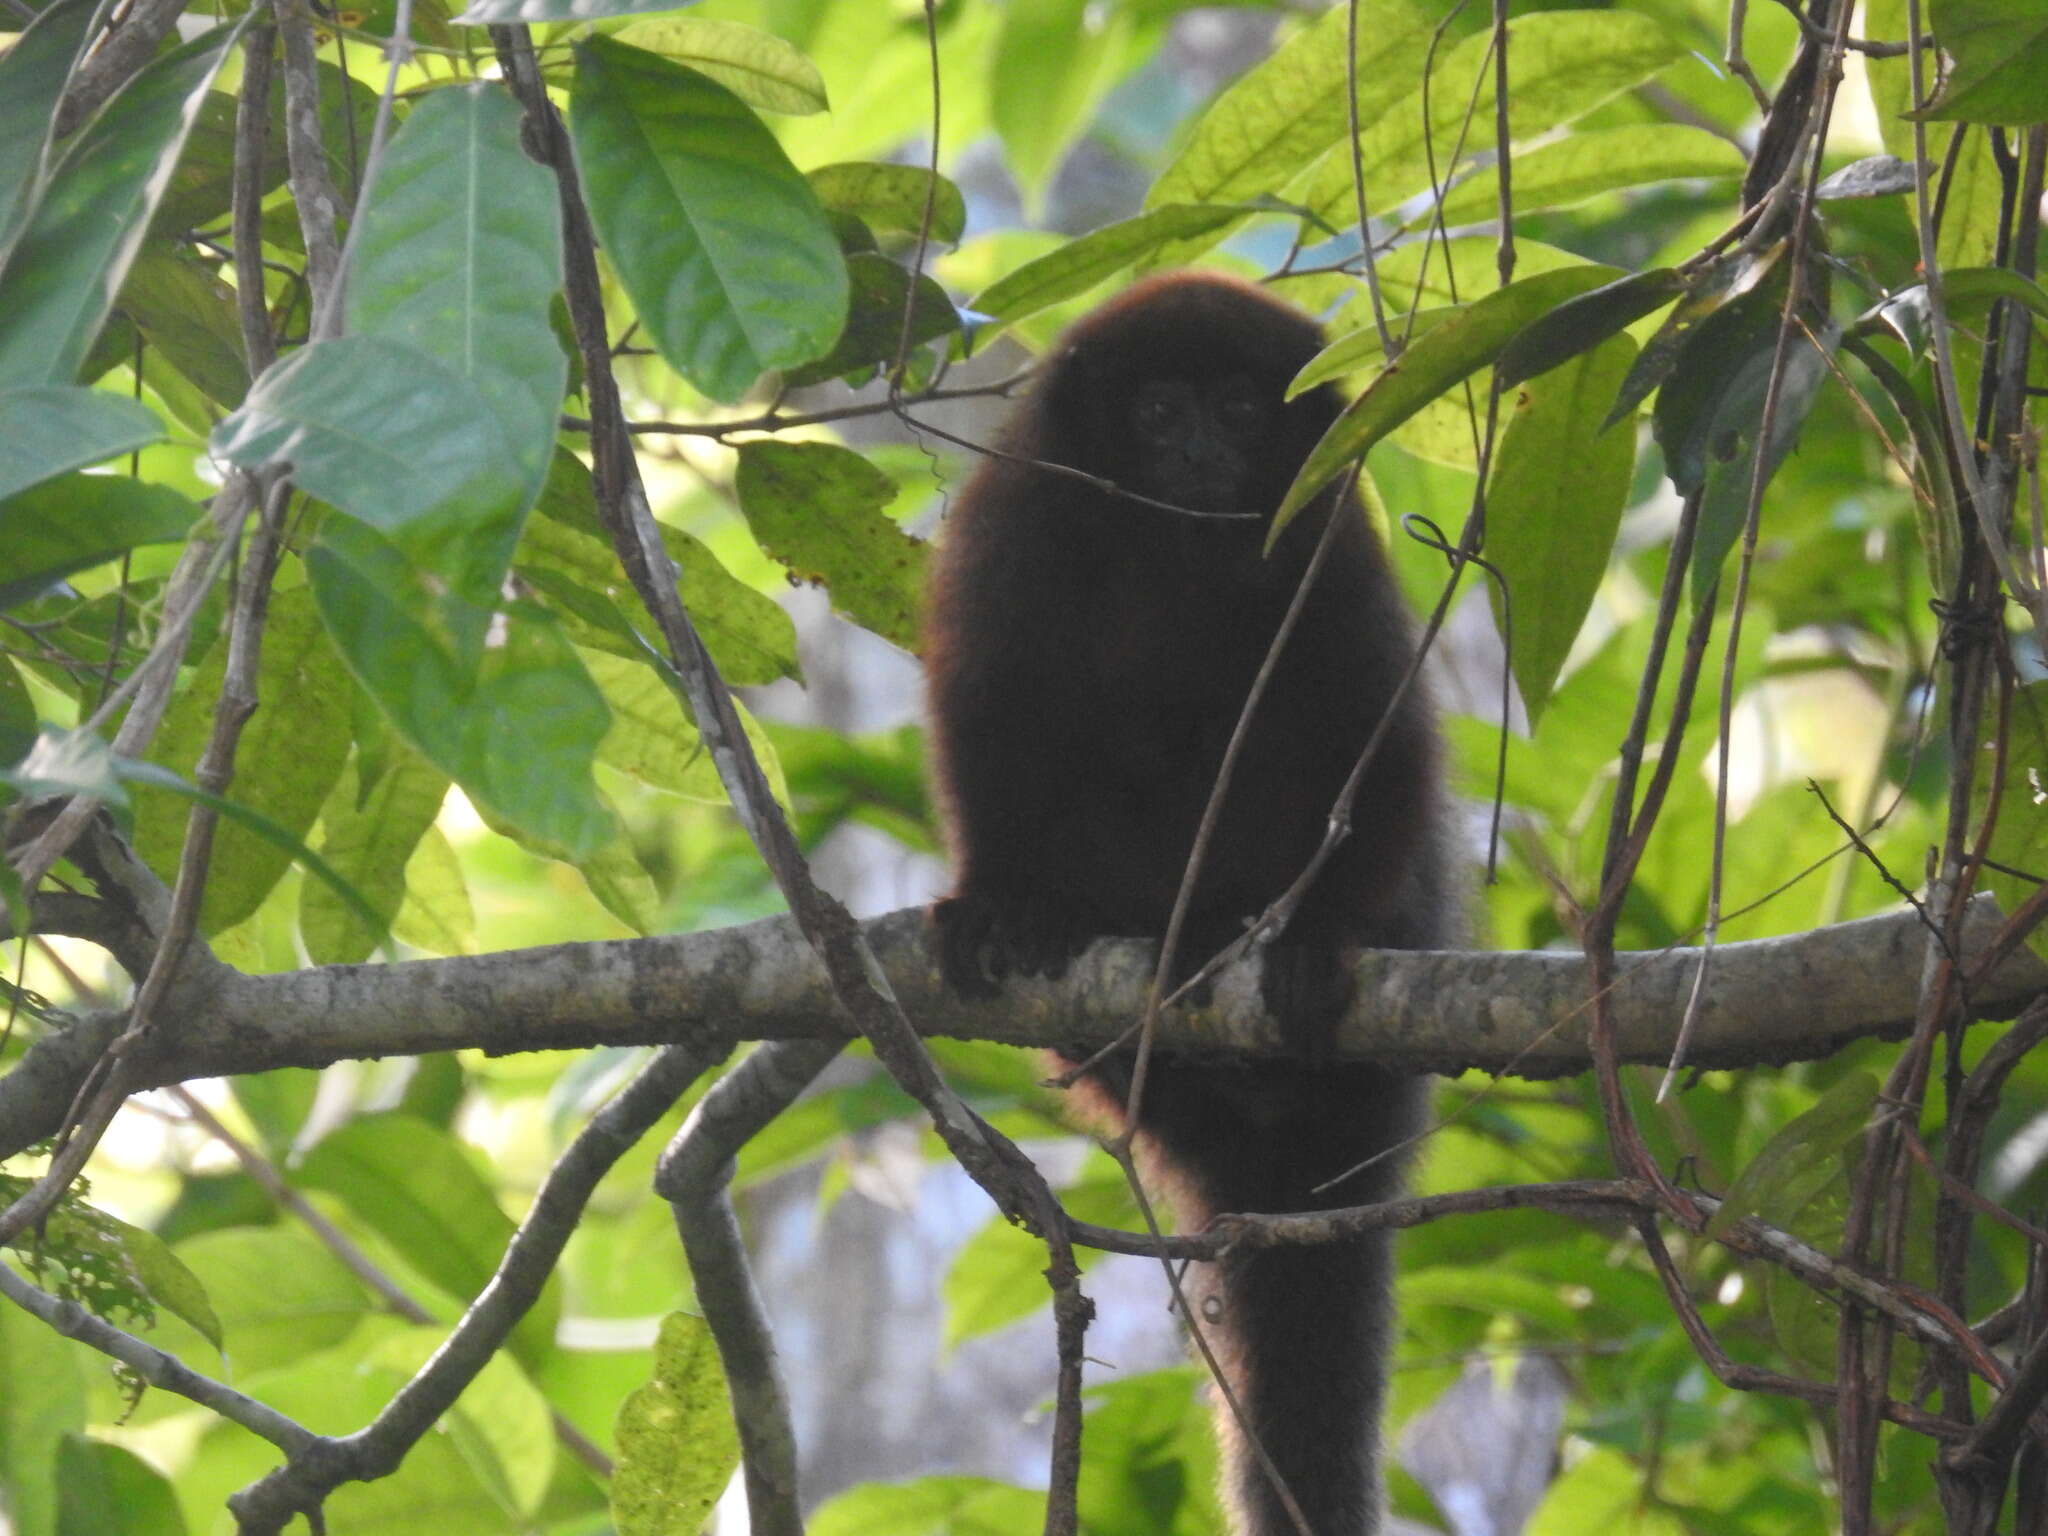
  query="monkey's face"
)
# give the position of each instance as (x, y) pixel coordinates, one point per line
(1197, 442)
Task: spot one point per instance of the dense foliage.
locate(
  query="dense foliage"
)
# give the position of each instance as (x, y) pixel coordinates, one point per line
(326, 572)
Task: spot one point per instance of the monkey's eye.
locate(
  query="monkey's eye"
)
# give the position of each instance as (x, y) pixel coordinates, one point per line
(1238, 405)
(1153, 412)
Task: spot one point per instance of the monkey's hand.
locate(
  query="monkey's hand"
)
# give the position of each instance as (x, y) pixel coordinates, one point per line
(982, 942)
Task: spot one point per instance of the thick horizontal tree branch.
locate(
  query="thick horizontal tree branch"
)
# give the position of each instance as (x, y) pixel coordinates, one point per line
(1767, 1001)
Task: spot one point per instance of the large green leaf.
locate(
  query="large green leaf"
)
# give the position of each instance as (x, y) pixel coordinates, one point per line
(997, 1276)
(71, 259)
(817, 508)
(49, 430)
(1437, 359)
(1583, 165)
(516, 723)
(1054, 61)
(1560, 481)
(201, 190)
(874, 332)
(1802, 1155)
(1080, 264)
(729, 259)
(44, 1400)
(279, 1294)
(76, 521)
(459, 253)
(932, 1506)
(1998, 51)
(1561, 65)
(291, 752)
(891, 197)
(1151, 1463)
(368, 833)
(413, 1185)
(105, 1490)
(33, 74)
(566, 554)
(760, 68)
(678, 1444)
(1288, 109)
(187, 314)
(397, 439)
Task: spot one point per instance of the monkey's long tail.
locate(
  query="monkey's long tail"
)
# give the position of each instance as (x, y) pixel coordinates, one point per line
(1304, 1335)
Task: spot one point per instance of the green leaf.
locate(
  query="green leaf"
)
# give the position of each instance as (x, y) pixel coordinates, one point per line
(891, 197)
(651, 738)
(279, 1294)
(412, 1184)
(77, 762)
(291, 752)
(187, 314)
(1450, 351)
(2019, 839)
(874, 321)
(1054, 60)
(758, 67)
(817, 508)
(566, 555)
(997, 1276)
(1803, 1155)
(438, 915)
(1151, 1463)
(1722, 284)
(47, 431)
(1561, 65)
(1934, 498)
(1580, 324)
(77, 521)
(44, 1401)
(115, 1271)
(33, 74)
(932, 1506)
(1355, 350)
(677, 1441)
(1080, 264)
(515, 724)
(1710, 410)
(458, 254)
(1291, 107)
(71, 259)
(368, 833)
(104, 1490)
(500, 1423)
(1968, 285)
(729, 260)
(397, 439)
(1998, 52)
(201, 190)
(1585, 164)
(1560, 482)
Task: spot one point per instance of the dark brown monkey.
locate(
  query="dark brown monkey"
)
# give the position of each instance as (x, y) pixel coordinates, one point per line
(1088, 656)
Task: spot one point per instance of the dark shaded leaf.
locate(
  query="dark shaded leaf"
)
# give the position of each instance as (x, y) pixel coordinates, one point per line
(1455, 348)
(1580, 324)
(874, 320)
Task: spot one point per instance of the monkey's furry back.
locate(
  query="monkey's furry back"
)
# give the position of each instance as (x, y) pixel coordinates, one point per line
(1087, 658)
